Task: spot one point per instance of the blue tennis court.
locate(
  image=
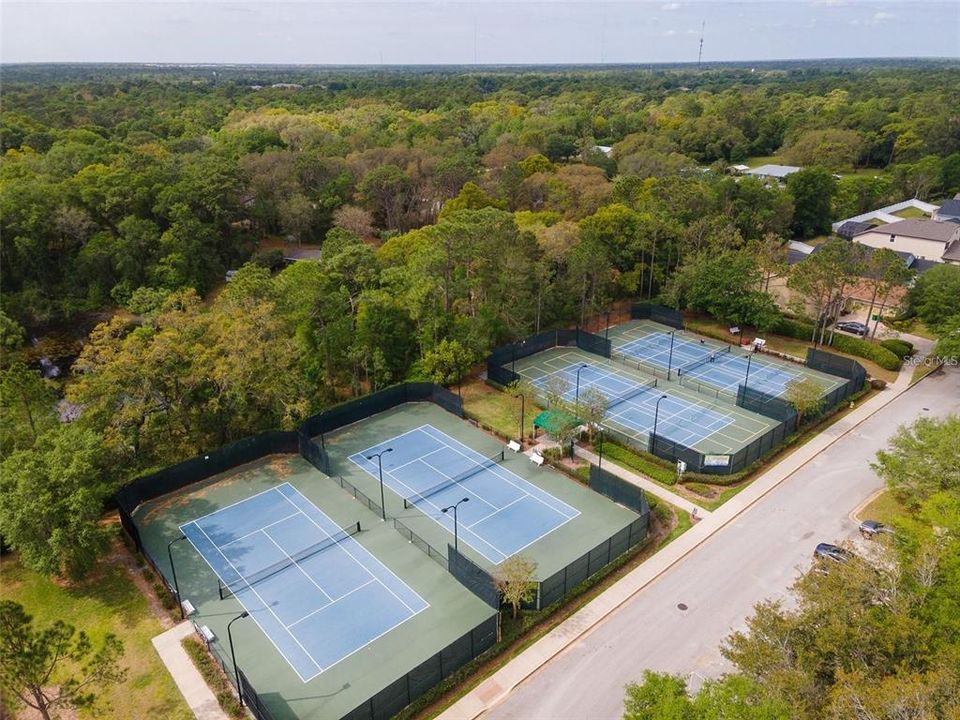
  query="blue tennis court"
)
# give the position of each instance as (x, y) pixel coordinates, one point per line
(431, 470)
(312, 588)
(717, 367)
(633, 404)
(728, 372)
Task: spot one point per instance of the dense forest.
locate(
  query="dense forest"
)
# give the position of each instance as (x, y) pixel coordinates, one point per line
(452, 210)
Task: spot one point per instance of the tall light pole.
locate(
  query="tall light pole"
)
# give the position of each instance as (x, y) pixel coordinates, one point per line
(670, 358)
(233, 656)
(383, 506)
(523, 407)
(747, 378)
(600, 449)
(656, 417)
(456, 541)
(173, 570)
(579, 370)
(606, 330)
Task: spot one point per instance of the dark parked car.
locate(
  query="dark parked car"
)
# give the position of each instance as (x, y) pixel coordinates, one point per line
(872, 528)
(857, 328)
(826, 551)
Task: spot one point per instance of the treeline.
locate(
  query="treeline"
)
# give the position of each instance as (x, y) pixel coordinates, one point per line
(117, 183)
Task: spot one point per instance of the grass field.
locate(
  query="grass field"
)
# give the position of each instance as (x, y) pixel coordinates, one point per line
(497, 410)
(108, 602)
(884, 507)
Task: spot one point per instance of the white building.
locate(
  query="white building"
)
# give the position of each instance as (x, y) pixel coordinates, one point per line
(773, 172)
(924, 239)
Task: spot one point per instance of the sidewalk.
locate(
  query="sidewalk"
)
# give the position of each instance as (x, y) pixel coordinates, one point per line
(648, 485)
(195, 691)
(489, 692)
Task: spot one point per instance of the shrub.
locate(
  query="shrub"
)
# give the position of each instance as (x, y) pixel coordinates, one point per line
(900, 348)
(654, 468)
(862, 348)
(877, 383)
(700, 489)
(793, 328)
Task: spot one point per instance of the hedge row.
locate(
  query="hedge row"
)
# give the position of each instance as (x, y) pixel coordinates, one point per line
(882, 356)
(901, 348)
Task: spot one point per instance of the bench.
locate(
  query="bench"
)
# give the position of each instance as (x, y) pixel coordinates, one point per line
(188, 608)
(514, 445)
(537, 459)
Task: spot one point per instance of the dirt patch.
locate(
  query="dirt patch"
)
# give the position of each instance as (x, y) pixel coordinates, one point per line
(121, 557)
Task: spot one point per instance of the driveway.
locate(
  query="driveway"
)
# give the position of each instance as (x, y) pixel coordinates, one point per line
(677, 622)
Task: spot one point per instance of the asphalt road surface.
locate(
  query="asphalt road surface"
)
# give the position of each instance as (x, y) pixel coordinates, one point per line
(756, 556)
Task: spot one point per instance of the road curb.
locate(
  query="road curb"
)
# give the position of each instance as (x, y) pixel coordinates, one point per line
(493, 689)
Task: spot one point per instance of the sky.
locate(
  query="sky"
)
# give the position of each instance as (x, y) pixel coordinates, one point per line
(401, 32)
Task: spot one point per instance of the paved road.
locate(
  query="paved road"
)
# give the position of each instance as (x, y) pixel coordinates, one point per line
(756, 556)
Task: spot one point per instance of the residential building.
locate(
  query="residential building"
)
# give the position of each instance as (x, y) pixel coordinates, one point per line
(924, 239)
(948, 212)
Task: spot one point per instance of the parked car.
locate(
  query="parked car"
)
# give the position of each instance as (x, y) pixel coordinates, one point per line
(872, 528)
(850, 326)
(834, 553)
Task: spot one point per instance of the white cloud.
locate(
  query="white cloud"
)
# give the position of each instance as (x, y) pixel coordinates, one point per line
(671, 6)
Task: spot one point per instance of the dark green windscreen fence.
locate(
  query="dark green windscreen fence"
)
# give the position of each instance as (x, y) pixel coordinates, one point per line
(619, 490)
(473, 577)
(501, 359)
(658, 313)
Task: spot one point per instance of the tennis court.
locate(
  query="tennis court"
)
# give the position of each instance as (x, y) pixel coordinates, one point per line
(316, 593)
(700, 363)
(684, 417)
(431, 470)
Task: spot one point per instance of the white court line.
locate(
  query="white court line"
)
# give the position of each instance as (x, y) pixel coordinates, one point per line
(314, 612)
(296, 564)
(506, 478)
(459, 483)
(238, 502)
(254, 532)
(266, 607)
(347, 550)
(490, 515)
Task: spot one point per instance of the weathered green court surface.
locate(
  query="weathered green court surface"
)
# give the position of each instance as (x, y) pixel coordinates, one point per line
(453, 609)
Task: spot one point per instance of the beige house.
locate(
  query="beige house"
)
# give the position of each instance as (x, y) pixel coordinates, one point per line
(924, 239)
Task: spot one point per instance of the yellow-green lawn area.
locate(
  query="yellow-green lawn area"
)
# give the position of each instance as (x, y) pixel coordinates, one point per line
(497, 409)
(107, 602)
(885, 508)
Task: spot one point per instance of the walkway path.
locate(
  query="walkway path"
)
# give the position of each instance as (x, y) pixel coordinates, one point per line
(648, 485)
(195, 691)
(495, 688)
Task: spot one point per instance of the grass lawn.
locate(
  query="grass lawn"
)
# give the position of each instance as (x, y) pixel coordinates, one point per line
(107, 602)
(818, 240)
(911, 212)
(764, 160)
(913, 326)
(790, 346)
(884, 507)
(496, 409)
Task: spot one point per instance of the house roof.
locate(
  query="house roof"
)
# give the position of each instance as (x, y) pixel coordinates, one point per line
(921, 229)
(950, 207)
(777, 171)
(852, 227)
(952, 252)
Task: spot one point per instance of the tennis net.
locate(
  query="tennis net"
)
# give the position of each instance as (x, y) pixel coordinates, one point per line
(441, 486)
(228, 589)
(630, 394)
(702, 361)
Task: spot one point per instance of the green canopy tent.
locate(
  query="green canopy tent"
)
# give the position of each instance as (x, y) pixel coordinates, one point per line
(554, 421)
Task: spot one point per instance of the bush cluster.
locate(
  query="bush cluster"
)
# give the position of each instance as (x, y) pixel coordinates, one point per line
(901, 348)
(880, 354)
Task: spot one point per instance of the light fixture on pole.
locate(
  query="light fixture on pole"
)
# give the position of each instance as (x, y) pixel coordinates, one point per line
(383, 507)
(233, 656)
(173, 570)
(456, 543)
(656, 417)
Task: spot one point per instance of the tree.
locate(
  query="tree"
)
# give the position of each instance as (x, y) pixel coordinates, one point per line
(921, 459)
(448, 362)
(354, 219)
(593, 409)
(822, 277)
(556, 389)
(51, 500)
(665, 697)
(26, 407)
(948, 346)
(806, 396)
(935, 296)
(56, 668)
(770, 253)
(516, 580)
(11, 334)
(884, 270)
(812, 191)
(297, 216)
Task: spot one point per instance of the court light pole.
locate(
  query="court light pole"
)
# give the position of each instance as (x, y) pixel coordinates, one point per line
(456, 542)
(383, 505)
(173, 570)
(577, 400)
(747, 378)
(600, 449)
(523, 407)
(606, 330)
(670, 358)
(656, 417)
(233, 656)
